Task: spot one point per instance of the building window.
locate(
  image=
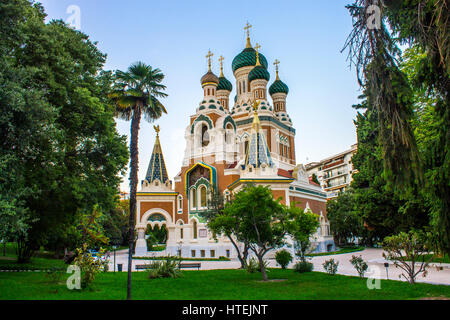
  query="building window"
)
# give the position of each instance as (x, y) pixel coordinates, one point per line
(194, 233)
(202, 253)
(203, 198)
(180, 204)
(213, 253)
(181, 232)
(205, 136)
(193, 253)
(228, 253)
(193, 198)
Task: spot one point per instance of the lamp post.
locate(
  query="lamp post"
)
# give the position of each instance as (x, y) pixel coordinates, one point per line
(114, 248)
(386, 265)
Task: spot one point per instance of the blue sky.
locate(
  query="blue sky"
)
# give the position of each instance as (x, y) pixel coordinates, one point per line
(175, 36)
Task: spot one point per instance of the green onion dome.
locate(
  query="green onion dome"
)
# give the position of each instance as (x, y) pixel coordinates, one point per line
(258, 72)
(278, 87)
(209, 77)
(247, 58)
(224, 84)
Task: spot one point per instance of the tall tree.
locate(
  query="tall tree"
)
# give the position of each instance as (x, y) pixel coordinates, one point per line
(262, 221)
(137, 91)
(373, 49)
(57, 122)
(221, 224)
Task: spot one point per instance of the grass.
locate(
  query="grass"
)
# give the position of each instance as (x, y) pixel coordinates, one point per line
(216, 285)
(42, 259)
(341, 251)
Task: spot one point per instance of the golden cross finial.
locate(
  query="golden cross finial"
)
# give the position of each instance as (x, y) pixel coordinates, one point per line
(256, 105)
(221, 65)
(208, 56)
(276, 63)
(257, 47)
(247, 28)
(157, 130)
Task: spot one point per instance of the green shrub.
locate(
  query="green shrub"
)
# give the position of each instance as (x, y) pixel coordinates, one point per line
(88, 265)
(283, 258)
(252, 265)
(331, 266)
(168, 268)
(359, 264)
(303, 266)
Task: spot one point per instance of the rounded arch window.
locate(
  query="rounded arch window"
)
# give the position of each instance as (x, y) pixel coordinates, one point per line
(203, 196)
(194, 231)
(205, 135)
(193, 198)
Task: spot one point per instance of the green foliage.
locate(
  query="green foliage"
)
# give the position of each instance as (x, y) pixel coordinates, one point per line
(407, 249)
(261, 220)
(60, 151)
(89, 266)
(331, 266)
(168, 268)
(359, 264)
(410, 99)
(345, 223)
(253, 265)
(225, 223)
(301, 225)
(283, 258)
(303, 266)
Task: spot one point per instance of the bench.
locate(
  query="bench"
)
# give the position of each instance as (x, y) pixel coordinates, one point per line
(182, 266)
(190, 265)
(143, 266)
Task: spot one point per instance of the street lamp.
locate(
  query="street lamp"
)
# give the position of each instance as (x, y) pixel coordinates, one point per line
(115, 248)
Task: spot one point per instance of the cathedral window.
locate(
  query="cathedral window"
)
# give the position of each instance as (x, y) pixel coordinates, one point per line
(193, 253)
(194, 231)
(202, 253)
(212, 253)
(202, 191)
(243, 86)
(193, 198)
(240, 88)
(205, 136)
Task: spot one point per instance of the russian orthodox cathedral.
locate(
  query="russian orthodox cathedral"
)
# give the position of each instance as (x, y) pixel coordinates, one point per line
(228, 144)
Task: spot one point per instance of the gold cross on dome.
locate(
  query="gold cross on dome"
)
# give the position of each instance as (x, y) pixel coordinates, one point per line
(256, 105)
(157, 130)
(221, 65)
(257, 47)
(276, 63)
(247, 28)
(208, 56)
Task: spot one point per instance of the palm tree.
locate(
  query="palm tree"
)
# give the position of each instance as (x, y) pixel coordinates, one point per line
(136, 92)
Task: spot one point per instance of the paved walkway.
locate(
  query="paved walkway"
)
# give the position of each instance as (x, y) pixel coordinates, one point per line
(373, 257)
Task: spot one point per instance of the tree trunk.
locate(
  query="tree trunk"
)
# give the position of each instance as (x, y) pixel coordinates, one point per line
(261, 265)
(134, 167)
(242, 259)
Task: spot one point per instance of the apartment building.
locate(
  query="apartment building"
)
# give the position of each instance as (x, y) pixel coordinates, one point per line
(334, 173)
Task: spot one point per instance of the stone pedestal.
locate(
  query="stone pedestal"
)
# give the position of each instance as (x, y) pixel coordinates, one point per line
(141, 243)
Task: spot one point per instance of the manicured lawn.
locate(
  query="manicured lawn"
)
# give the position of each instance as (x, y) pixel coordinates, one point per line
(42, 260)
(341, 251)
(216, 285)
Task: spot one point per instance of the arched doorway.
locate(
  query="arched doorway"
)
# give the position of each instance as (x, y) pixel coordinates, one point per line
(156, 233)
